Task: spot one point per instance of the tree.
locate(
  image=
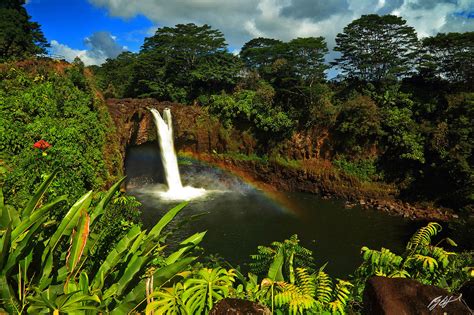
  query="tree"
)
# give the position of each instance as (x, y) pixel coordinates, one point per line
(260, 52)
(450, 56)
(375, 48)
(302, 58)
(192, 59)
(115, 74)
(358, 125)
(293, 69)
(306, 56)
(19, 37)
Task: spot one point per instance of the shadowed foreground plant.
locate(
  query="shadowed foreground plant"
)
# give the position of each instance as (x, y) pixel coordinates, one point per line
(35, 274)
(294, 255)
(200, 291)
(306, 292)
(422, 261)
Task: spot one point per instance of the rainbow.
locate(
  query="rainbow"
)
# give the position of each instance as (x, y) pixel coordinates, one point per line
(279, 198)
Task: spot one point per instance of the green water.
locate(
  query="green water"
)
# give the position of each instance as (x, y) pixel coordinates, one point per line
(239, 217)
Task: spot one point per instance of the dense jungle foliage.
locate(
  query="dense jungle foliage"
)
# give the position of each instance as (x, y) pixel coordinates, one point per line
(402, 110)
(403, 105)
(52, 118)
(52, 266)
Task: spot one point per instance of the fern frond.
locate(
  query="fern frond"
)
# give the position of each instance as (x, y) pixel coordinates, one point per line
(294, 298)
(427, 262)
(383, 261)
(399, 274)
(342, 291)
(335, 307)
(441, 255)
(323, 287)
(306, 281)
(423, 236)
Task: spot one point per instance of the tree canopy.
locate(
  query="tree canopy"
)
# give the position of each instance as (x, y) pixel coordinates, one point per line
(184, 61)
(19, 37)
(450, 56)
(375, 48)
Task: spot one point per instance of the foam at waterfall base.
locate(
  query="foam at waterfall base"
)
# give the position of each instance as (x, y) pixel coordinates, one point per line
(182, 194)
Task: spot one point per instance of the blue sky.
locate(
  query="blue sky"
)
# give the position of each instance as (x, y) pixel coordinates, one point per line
(70, 22)
(98, 29)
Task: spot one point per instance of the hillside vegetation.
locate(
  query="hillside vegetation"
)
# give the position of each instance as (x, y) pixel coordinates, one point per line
(401, 110)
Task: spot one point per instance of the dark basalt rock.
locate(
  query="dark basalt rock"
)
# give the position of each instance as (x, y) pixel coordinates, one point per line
(238, 307)
(467, 291)
(399, 296)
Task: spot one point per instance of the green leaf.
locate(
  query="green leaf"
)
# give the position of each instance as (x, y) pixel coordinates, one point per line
(275, 272)
(187, 244)
(161, 276)
(34, 201)
(133, 267)
(37, 216)
(70, 220)
(79, 239)
(6, 243)
(22, 248)
(115, 256)
(156, 230)
(451, 242)
(99, 209)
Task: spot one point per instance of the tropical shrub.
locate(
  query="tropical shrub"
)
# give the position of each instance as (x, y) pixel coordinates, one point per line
(122, 214)
(37, 276)
(422, 261)
(252, 108)
(364, 170)
(53, 102)
(197, 295)
(294, 256)
(302, 290)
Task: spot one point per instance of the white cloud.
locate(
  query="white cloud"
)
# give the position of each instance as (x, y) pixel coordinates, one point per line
(286, 19)
(426, 21)
(102, 46)
(63, 51)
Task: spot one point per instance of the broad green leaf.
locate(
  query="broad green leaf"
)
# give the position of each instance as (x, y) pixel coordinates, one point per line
(22, 248)
(115, 256)
(34, 201)
(134, 265)
(37, 216)
(99, 209)
(187, 244)
(84, 282)
(162, 275)
(5, 245)
(47, 267)
(275, 272)
(156, 230)
(79, 239)
(70, 220)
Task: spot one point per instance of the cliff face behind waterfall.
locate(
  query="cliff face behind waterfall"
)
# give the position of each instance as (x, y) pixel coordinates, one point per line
(195, 130)
(198, 132)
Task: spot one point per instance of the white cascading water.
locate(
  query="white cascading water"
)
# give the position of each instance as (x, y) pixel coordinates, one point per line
(176, 191)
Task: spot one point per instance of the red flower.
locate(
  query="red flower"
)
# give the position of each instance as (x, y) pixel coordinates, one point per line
(41, 144)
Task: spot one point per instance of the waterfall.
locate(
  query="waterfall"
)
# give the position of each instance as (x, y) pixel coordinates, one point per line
(164, 129)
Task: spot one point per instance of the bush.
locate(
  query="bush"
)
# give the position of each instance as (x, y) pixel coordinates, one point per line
(40, 275)
(364, 170)
(43, 103)
(253, 108)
